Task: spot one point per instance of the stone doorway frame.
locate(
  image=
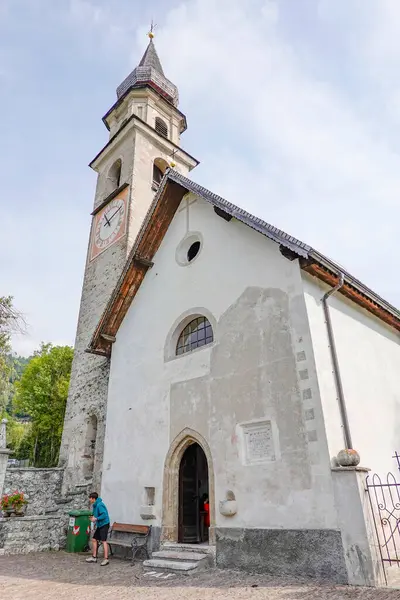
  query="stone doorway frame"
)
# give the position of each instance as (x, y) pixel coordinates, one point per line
(183, 440)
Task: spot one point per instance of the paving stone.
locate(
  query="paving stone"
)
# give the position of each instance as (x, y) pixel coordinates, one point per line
(47, 576)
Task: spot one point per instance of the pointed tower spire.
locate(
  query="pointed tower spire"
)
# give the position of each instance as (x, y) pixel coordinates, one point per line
(149, 72)
(150, 58)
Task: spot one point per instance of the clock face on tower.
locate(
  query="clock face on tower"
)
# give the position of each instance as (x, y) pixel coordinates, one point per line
(109, 224)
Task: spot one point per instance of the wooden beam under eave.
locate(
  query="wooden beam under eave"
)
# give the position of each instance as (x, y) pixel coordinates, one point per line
(128, 292)
(96, 349)
(161, 220)
(353, 294)
(144, 262)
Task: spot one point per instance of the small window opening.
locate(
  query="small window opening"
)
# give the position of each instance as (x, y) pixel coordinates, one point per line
(159, 167)
(161, 127)
(114, 176)
(193, 251)
(149, 496)
(196, 334)
(157, 175)
(90, 447)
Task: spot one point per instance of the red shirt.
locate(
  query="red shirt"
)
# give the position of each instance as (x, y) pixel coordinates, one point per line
(207, 515)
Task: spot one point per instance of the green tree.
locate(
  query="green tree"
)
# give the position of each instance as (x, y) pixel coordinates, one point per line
(10, 321)
(20, 439)
(41, 394)
(16, 431)
(14, 367)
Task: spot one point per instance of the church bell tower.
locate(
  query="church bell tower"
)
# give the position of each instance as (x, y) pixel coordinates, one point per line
(145, 126)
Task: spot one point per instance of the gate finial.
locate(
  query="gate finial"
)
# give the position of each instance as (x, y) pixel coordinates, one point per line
(3, 433)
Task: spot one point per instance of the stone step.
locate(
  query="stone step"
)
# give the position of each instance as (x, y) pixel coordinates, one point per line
(171, 565)
(196, 548)
(180, 555)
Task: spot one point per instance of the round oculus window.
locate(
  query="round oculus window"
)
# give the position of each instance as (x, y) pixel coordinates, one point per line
(189, 249)
(193, 251)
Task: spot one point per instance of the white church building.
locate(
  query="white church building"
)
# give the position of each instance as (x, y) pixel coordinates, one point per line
(217, 356)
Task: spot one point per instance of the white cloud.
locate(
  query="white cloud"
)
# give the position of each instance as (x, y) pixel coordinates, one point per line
(307, 152)
(103, 29)
(322, 171)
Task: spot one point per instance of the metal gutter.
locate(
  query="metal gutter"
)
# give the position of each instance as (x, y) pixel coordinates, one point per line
(335, 363)
(356, 283)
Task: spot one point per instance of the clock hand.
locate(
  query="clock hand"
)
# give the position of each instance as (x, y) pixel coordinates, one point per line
(112, 216)
(107, 221)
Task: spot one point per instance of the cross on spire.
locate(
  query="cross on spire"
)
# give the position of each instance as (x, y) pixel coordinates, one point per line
(150, 72)
(152, 28)
(173, 163)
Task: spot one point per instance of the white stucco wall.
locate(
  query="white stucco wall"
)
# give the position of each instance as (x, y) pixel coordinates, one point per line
(369, 357)
(260, 366)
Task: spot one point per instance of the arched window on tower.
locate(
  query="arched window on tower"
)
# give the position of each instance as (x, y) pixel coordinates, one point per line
(159, 167)
(114, 176)
(161, 127)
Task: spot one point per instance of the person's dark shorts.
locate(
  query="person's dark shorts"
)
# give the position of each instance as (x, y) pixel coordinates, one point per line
(101, 533)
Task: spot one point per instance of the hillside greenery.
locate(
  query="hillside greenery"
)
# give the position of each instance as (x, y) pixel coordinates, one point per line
(33, 393)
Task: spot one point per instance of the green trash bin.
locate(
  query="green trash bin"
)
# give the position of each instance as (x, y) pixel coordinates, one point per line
(78, 530)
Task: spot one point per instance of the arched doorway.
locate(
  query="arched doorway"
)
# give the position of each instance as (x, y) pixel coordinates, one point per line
(193, 510)
(172, 489)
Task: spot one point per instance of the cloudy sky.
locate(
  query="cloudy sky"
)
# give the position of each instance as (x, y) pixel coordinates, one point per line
(293, 109)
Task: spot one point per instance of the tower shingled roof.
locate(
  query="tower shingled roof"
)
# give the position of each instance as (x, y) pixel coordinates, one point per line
(150, 72)
(150, 58)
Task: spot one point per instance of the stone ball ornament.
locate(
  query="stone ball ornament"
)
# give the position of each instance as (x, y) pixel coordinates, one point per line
(348, 458)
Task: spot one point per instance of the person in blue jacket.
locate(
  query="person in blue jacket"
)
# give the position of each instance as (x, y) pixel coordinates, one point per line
(102, 521)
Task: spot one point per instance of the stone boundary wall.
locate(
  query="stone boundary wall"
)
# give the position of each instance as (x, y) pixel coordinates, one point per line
(42, 487)
(21, 535)
(44, 526)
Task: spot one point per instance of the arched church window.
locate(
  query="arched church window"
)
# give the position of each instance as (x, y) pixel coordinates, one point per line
(161, 127)
(114, 176)
(159, 167)
(196, 334)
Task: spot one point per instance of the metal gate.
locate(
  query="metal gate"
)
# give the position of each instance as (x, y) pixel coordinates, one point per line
(384, 496)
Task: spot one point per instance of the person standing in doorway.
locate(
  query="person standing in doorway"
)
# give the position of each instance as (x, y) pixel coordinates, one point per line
(102, 521)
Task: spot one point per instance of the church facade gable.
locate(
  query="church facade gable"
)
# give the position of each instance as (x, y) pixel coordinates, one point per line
(248, 392)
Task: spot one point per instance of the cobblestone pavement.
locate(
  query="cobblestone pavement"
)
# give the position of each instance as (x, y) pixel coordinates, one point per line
(57, 576)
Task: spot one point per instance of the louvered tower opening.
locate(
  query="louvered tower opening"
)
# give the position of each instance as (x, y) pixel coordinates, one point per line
(161, 127)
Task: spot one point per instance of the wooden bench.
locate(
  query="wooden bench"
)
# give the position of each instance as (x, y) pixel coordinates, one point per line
(136, 538)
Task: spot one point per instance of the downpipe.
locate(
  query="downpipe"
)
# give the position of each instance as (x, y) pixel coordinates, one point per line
(335, 363)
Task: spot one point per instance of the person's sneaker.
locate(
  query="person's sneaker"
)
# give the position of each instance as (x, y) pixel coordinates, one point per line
(91, 559)
(105, 563)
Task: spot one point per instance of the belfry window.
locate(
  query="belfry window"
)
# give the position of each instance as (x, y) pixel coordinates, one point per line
(161, 127)
(157, 175)
(114, 176)
(159, 167)
(196, 334)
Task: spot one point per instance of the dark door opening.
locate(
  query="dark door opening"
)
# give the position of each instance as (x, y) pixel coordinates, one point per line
(193, 496)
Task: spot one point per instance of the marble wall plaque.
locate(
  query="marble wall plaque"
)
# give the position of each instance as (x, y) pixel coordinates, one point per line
(259, 443)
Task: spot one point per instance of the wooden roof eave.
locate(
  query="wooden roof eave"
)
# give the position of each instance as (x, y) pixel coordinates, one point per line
(327, 276)
(169, 196)
(139, 262)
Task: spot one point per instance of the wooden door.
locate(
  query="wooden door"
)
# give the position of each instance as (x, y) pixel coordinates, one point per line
(189, 501)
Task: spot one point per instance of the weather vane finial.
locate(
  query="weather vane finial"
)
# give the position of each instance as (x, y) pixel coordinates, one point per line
(152, 28)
